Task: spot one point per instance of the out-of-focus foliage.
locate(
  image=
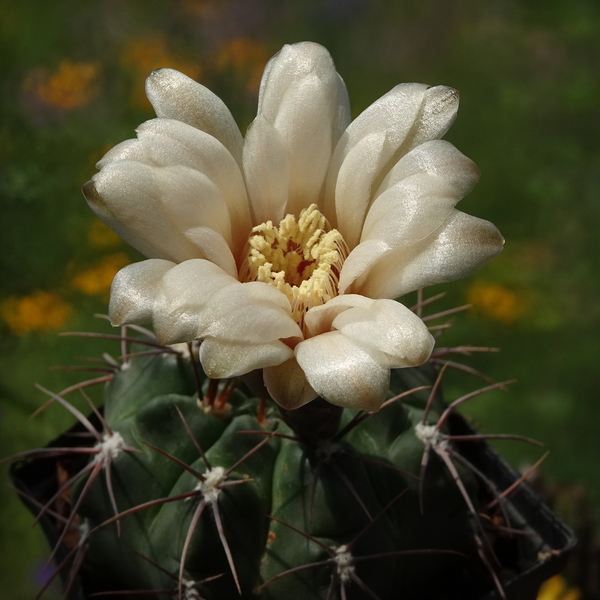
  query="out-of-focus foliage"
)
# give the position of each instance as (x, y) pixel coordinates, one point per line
(72, 86)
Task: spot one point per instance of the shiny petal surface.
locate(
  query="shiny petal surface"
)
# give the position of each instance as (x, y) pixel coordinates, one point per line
(360, 260)
(234, 314)
(355, 181)
(439, 158)
(125, 196)
(133, 291)
(172, 143)
(181, 299)
(344, 371)
(391, 328)
(461, 246)
(410, 114)
(287, 385)
(127, 150)
(173, 95)
(266, 170)
(222, 359)
(410, 210)
(319, 318)
(304, 99)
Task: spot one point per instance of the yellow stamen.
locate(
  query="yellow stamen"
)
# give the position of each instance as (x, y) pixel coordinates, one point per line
(302, 258)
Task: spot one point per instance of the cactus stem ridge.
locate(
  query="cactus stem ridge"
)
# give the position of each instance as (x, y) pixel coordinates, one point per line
(343, 561)
(209, 487)
(108, 445)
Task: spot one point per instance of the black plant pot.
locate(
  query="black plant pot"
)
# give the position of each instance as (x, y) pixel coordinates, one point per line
(529, 559)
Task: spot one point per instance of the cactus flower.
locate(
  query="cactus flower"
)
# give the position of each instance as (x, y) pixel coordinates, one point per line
(284, 250)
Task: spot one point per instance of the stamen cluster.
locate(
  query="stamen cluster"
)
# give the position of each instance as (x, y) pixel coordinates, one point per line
(302, 258)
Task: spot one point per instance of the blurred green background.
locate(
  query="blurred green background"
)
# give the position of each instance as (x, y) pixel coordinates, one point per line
(529, 77)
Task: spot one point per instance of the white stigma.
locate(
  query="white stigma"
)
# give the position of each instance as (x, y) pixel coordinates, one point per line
(111, 446)
(343, 561)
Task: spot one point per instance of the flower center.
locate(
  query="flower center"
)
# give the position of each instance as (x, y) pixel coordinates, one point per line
(302, 258)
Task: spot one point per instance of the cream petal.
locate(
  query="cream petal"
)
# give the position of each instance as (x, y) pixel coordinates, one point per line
(410, 210)
(305, 121)
(461, 246)
(296, 61)
(182, 296)
(287, 385)
(394, 114)
(242, 314)
(125, 196)
(133, 291)
(214, 248)
(437, 115)
(344, 371)
(360, 260)
(172, 143)
(391, 328)
(306, 101)
(197, 299)
(410, 114)
(259, 291)
(127, 150)
(439, 158)
(192, 200)
(354, 184)
(221, 359)
(318, 319)
(266, 170)
(175, 96)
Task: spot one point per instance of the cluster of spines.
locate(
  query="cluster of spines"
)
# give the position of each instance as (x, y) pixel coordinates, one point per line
(341, 562)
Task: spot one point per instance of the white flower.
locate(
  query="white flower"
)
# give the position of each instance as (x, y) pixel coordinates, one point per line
(284, 251)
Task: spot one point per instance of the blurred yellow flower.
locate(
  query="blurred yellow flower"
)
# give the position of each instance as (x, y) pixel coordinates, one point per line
(496, 301)
(246, 58)
(556, 589)
(142, 55)
(72, 85)
(39, 311)
(101, 236)
(97, 279)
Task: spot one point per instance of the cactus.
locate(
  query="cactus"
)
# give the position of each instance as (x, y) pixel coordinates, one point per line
(201, 489)
(303, 449)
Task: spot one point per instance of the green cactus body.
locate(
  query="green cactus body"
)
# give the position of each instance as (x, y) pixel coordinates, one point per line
(349, 505)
